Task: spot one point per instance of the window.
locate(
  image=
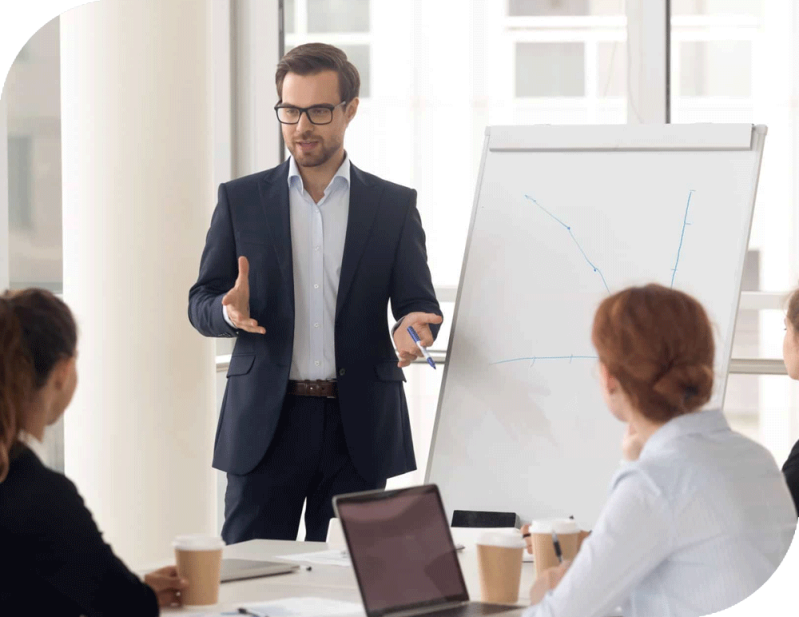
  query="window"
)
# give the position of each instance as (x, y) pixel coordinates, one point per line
(730, 62)
(20, 183)
(438, 73)
(715, 68)
(338, 15)
(33, 98)
(34, 163)
(343, 23)
(550, 69)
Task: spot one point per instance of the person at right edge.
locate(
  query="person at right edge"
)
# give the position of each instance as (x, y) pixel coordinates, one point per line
(790, 355)
(700, 517)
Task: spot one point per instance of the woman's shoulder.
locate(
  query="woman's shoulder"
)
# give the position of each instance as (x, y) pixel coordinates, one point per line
(31, 491)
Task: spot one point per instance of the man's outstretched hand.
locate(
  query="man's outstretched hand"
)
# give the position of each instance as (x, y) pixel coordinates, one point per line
(237, 301)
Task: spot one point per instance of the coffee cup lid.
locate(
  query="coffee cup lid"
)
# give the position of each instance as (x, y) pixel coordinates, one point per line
(507, 539)
(198, 542)
(558, 525)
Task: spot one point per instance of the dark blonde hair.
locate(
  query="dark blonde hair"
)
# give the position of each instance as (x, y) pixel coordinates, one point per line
(36, 331)
(313, 58)
(658, 343)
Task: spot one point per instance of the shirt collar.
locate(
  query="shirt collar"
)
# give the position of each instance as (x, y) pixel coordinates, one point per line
(33, 444)
(702, 422)
(342, 172)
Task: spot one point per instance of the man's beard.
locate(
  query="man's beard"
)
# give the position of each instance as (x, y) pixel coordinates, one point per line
(313, 159)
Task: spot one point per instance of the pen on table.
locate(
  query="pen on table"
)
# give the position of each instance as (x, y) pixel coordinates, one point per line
(556, 544)
(418, 342)
(244, 611)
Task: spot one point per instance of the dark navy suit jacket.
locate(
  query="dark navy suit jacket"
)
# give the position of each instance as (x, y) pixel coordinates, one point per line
(384, 258)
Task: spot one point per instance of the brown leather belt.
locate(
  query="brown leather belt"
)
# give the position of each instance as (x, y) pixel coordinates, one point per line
(327, 389)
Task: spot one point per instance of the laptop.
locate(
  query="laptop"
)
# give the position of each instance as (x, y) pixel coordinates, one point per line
(240, 569)
(403, 555)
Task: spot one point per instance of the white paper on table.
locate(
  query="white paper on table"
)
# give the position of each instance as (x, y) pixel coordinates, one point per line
(304, 607)
(322, 558)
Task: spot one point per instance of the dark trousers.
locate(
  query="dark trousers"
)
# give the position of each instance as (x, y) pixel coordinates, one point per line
(307, 459)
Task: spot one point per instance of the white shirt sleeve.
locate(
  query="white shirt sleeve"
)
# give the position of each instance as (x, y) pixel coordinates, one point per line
(225, 315)
(633, 535)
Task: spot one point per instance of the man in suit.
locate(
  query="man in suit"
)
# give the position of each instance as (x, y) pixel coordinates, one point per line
(300, 262)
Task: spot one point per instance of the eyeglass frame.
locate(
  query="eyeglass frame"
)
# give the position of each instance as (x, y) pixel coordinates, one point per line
(305, 110)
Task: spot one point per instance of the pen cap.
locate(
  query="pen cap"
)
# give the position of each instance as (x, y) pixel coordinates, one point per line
(335, 536)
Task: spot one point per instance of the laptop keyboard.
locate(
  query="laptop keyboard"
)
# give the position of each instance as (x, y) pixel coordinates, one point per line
(473, 609)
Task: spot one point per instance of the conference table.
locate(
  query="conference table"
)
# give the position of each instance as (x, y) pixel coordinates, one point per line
(331, 582)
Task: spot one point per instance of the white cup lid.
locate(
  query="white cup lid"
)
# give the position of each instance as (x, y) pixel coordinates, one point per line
(506, 539)
(558, 525)
(198, 542)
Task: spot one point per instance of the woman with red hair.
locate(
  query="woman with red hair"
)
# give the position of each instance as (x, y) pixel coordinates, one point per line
(701, 517)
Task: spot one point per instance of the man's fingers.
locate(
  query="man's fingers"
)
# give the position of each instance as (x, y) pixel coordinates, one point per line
(424, 334)
(168, 598)
(243, 322)
(244, 270)
(426, 318)
(251, 325)
(528, 540)
(405, 358)
(411, 352)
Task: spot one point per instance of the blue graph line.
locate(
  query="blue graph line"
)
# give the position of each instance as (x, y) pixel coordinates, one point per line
(685, 223)
(569, 229)
(536, 358)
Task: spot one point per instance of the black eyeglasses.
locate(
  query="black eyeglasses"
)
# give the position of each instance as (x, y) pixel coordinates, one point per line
(318, 114)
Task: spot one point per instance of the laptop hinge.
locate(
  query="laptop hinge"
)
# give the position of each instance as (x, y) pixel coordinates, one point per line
(427, 609)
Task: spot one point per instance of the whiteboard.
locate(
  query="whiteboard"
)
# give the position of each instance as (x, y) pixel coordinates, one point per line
(563, 216)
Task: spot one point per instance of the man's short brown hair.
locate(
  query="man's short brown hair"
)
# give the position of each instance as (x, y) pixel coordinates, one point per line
(313, 58)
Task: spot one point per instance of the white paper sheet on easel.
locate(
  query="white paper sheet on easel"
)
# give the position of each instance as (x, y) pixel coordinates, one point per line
(321, 558)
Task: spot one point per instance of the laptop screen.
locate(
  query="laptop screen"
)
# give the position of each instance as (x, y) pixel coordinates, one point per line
(401, 549)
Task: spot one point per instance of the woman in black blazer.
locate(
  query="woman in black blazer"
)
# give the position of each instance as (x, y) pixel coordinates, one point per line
(54, 559)
(790, 354)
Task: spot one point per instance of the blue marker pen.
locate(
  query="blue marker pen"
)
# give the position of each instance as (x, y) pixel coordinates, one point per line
(416, 340)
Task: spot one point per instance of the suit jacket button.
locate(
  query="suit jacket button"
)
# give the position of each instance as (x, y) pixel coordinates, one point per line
(341, 371)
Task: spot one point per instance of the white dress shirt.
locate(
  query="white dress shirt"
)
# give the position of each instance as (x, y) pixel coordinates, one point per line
(318, 231)
(698, 523)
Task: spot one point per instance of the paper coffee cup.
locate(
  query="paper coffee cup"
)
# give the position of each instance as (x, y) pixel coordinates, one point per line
(543, 546)
(335, 535)
(499, 557)
(199, 560)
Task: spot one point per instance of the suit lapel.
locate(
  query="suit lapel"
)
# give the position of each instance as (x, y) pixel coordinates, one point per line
(364, 204)
(275, 203)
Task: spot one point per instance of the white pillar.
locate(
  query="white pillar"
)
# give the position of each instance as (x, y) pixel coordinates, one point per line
(257, 131)
(648, 45)
(137, 187)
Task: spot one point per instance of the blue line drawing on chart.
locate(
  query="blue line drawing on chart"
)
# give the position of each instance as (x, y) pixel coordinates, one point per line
(535, 359)
(685, 223)
(570, 358)
(569, 229)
